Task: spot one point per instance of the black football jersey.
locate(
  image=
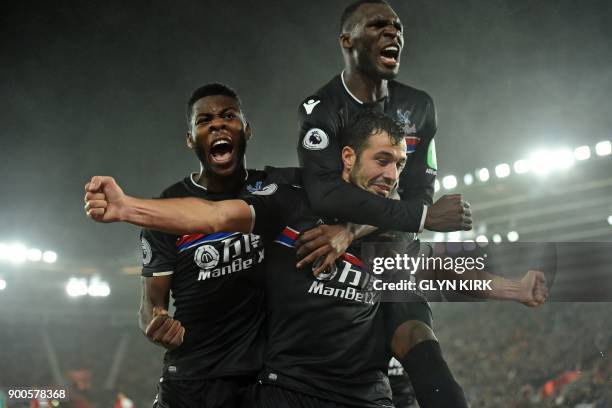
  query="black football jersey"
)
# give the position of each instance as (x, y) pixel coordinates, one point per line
(325, 334)
(217, 290)
(330, 109)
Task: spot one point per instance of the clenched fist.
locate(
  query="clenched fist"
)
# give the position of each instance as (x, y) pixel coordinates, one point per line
(449, 213)
(104, 199)
(164, 330)
(533, 289)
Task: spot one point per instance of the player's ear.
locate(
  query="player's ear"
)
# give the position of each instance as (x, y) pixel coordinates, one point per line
(348, 157)
(248, 132)
(189, 140)
(346, 41)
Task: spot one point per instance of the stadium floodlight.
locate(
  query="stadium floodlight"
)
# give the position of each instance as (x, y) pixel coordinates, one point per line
(98, 288)
(483, 174)
(603, 148)
(562, 159)
(49, 256)
(17, 253)
(502, 170)
(76, 287)
(610, 220)
(541, 162)
(582, 152)
(2, 284)
(521, 166)
(513, 236)
(34, 255)
(436, 186)
(482, 239)
(468, 179)
(497, 239)
(449, 182)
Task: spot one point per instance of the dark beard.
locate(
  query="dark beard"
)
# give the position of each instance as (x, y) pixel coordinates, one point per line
(370, 69)
(209, 170)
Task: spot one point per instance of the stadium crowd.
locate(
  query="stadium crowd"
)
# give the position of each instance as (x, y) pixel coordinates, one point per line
(504, 355)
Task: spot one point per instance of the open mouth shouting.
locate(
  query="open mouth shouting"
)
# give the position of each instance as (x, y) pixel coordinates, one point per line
(389, 56)
(221, 151)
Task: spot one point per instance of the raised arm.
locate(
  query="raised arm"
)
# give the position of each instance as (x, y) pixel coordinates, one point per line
(105, 202)
(330, 196)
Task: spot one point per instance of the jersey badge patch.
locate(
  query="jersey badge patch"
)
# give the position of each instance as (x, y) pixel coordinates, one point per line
(315, 139)
(267, 190)
(206, 257)
(404, 119)
(147, 254)
(310, 104)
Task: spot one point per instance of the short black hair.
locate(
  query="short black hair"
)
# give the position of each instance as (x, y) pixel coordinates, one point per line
(214, 88)
(366, 124)
(350, 10)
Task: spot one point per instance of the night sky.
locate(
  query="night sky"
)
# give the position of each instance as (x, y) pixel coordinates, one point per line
(100, 88)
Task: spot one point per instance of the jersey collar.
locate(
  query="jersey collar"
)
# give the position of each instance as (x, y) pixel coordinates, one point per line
(383, 100)
(197, 185)
(348, 91)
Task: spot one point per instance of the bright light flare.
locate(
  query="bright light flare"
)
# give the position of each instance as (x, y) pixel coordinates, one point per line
(17, 253)
(34, 255)
(513, 236)
(543, 162)
(521, 166)
(502, 170)
(468, 179)
(98, 288)
(2, 284)
(449, 182)
(603, 148)
(49, 257)
(482, 240)
(582, 153)
(483, 174)
(76, 287)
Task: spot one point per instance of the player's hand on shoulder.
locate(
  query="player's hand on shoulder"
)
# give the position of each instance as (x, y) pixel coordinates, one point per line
(450, 213)
(165, 331)
(323, 245)
(103, 199)
(534, 291)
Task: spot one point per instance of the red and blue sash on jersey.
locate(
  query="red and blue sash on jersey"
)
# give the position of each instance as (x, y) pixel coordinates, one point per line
(189, 241)
(411, 143)
(287, 237)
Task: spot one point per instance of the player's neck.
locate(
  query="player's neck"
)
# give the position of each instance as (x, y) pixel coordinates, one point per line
(364, 87)
(221, 184)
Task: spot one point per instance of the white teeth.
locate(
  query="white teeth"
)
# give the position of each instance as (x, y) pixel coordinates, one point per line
(220, 142)
(391, 48)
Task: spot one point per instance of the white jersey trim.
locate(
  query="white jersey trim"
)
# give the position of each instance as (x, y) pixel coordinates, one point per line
(196, 185)
(163, 273)
(348, 91)
(423, 216)
(252, 218)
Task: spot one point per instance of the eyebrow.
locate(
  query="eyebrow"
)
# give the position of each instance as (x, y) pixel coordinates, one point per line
(385, 154)
(400, 159)
(395, 21)
(225, 110)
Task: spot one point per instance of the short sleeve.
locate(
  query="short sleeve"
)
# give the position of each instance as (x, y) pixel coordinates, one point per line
(159, 253)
